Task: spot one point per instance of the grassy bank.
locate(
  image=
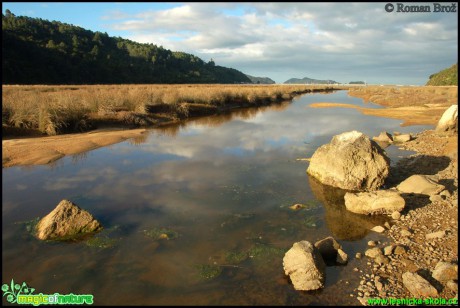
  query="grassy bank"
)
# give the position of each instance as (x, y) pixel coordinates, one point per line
(53, 110)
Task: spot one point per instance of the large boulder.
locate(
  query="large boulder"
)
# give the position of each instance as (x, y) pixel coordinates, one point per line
(305, 266)
(445, 271)
(374, 202)
(449, 120)
(66, 221)
(420, 184)
(351, 161)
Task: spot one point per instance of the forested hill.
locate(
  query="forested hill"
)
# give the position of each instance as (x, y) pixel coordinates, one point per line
(446, 77)
(37, 51)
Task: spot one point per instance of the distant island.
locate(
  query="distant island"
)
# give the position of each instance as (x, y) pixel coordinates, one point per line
(446, 77)
(260, 80)
(38, 51)
(356, 82)
(307, 80)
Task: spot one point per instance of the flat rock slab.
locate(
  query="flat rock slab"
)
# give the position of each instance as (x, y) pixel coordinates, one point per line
(375, 202)
(420, 184)
(418, 286)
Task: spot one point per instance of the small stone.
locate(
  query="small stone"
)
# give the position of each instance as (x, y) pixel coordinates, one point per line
(373, 252)
(439, 234)
(380, 259)
(452, 285)
(445, 271)
(371, 244)
(436, 198)
(388, 250)
(387, 225)
(405, 233)
(399, 250)
(396, 215)
(342, 257)
(378, 229)
(358, 255)
(355, 269)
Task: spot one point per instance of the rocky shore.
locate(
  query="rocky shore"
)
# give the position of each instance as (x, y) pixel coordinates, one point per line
(426, 233)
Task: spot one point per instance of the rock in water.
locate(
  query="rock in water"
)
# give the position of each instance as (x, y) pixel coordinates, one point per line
(351, 161)
(384, 137)
(449, 120)
(375, 202)
(305, 266)
(67, 220)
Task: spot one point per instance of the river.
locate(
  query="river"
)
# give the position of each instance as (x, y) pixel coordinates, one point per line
(195, 213)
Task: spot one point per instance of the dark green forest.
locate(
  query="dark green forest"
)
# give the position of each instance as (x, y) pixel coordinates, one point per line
(37, 51)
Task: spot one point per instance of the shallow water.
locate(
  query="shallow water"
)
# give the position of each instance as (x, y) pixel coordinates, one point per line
(222, 184)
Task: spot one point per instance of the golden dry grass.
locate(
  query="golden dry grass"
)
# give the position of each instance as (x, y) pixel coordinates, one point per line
(57, 109)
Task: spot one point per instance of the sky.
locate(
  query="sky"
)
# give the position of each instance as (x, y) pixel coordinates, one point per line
(339, 41)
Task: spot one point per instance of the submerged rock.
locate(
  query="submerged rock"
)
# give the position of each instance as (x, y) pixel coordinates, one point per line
(402, 138)
(305, 266)
(420, 184)
(66, 221)
(375, 202)
(328, 248)
(384, 137)
(351, 161)
(449, 120)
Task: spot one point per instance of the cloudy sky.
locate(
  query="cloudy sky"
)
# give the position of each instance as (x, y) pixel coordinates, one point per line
(340, 41)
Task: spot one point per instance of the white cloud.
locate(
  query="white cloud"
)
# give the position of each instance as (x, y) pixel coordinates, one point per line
(283, 40)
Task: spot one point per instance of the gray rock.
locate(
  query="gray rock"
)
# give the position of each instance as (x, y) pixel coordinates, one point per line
(351, 161)
(328, 248)
(449, 120)
(445, 271)
(418, 286)
(375, 202)
(373, 252)
(66, 221)
(439, 234)
(420, 184)
(305, 266)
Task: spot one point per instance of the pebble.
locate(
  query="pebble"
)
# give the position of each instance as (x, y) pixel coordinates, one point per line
(358, 255)
(405, 233)
(439, 234)
(371, 243)
(378, 229)
(388, 250)
(396, 215)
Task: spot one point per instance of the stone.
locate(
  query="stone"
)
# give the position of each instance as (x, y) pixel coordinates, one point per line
(374, 202)
(350, 161)
(66, 221)
(384, 137)
(418, 286)
(358, 255)
(388, 250)
(378, 229)
(445, 271)
(405, 233)
(436, 198)
(420, 184)
(399, 250)
(402, 138)
(371, 244)
(342, 257)
(328, 248)
(380, 259)
(373, 252)
(449, 120)
(396, 215)
(439, 234)
(305, 266)
(445, 193)
(452, 285)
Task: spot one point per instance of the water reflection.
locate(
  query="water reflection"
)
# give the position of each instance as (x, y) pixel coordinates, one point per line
(343, 224)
